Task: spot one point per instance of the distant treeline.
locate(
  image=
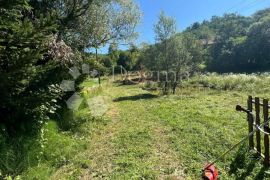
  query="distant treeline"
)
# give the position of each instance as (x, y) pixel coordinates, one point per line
(235, 43)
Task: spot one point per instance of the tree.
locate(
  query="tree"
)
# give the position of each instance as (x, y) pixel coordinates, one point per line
(223, 39)
(65, 13)
(107, 22)
(258, 44)
(27, 63)
(179, 59)
(149, 57)
(128, 59)
(133, 56)
(186, 55)
(164, 30)
(113, 53)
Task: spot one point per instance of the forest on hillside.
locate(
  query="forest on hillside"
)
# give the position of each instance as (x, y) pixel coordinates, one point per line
(230, 43)
(43, 42)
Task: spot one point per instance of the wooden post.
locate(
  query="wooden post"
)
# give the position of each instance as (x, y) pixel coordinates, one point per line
(266, 129)
(250, 122)
(258, 122)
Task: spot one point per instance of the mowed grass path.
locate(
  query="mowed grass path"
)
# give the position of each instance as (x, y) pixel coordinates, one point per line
(167, 137)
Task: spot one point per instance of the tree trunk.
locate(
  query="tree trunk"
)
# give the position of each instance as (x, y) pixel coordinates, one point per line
(166, 87)
(174, 87)
(99, 81)
(167, 68)
(175, 82)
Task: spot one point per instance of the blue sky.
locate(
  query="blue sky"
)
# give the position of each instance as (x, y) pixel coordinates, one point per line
(186, 12)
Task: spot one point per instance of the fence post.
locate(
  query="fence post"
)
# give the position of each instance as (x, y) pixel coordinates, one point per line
(250, 122)
(266, 129)
(258, 122)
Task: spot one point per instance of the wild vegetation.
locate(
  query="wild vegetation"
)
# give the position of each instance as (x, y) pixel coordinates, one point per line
(172, 115)
(39, 42)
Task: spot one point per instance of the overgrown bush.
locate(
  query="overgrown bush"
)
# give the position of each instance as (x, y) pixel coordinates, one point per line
(28, 90)
(30, 56)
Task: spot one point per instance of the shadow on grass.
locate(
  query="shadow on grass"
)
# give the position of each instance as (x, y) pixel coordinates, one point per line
(246, 164)
(126, 83)
(135, 98)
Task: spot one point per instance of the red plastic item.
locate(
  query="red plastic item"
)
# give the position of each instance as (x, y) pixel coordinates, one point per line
(210, 173)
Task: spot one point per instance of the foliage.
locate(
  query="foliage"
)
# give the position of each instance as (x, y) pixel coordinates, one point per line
(165, 27)
(164, 30)
(28, 94)
(106, 22)
(61, 139)
(185, 53)
(101, 66)
(65, 14)
(257, 44)
(36, 51)
(235, 43)
(113, 53)
(176, 56)
(128, 59)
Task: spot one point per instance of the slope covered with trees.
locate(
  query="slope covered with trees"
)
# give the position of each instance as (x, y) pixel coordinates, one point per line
(235, 43)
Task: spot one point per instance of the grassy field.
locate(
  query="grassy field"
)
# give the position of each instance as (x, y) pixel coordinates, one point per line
(145, 135)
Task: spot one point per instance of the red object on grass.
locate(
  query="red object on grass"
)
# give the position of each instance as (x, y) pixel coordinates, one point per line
(210, 172)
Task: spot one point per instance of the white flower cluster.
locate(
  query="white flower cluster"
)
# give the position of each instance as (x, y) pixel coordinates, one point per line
(60, 51)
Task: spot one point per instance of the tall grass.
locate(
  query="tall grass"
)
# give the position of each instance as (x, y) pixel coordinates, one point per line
(241, 82)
